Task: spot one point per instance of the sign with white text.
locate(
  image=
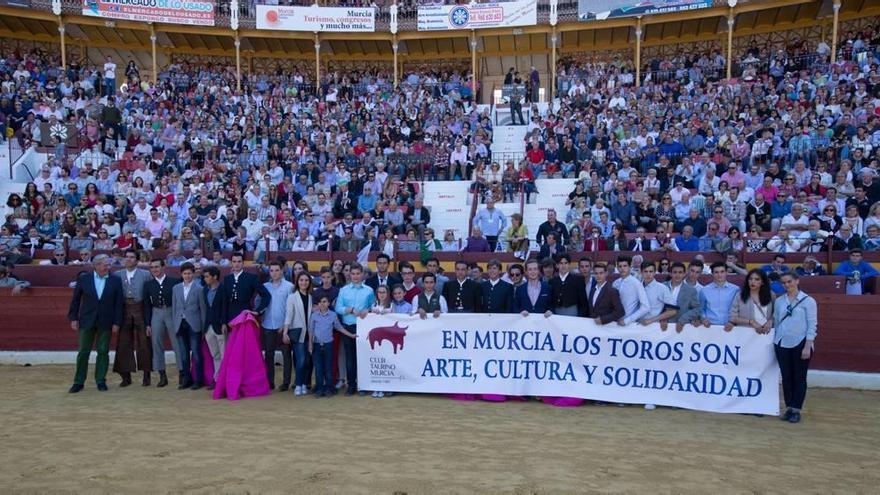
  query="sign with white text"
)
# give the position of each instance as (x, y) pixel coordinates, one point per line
(194, 12)
(317, 19)
(478, 15)
(562, 356)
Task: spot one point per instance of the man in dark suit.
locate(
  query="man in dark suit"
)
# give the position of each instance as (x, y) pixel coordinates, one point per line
(604, 300)
(551, 248)
(158, 318)
(585, 268)
(383, 276)
(418, 216)
(640, 243)
(95, 312)
(567, 294)
(686, 297)
(497, 295)
(533, 296)
(239, 290)
(462, 294)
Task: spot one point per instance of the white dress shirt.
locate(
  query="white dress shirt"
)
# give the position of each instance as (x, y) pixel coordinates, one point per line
(633, 298)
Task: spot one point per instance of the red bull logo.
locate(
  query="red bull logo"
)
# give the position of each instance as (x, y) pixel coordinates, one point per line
(393, 334)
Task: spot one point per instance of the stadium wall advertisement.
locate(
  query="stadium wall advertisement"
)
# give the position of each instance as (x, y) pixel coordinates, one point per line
(704, 369)
(317, 19)
(478, 15)
(590, 10)
(193, 12)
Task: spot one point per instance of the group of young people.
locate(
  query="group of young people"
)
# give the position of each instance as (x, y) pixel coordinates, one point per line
(313, 323)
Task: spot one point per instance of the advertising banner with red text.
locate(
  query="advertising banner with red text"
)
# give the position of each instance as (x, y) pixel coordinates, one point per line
(317, 19)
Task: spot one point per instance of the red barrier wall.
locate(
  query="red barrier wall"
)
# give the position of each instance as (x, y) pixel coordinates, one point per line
(848, 338)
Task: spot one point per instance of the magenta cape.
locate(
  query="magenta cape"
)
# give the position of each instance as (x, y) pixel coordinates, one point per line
(563, 401)
(242, 372)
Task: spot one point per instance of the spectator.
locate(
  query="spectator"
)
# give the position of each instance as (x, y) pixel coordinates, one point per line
(8, 280)
(860, 274)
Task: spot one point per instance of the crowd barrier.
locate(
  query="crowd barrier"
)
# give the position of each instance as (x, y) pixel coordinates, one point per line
(36, 320)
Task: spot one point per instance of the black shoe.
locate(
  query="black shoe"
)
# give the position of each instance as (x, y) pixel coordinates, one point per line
(787, 415)
(350, 391)
(210, 387)
(126, 380)
(147, 379)
(284, 387)
(163, 379)
(102, 387)
(795, 417)
(196, 386)
(184, 385)
(271, 386)
(75, 388)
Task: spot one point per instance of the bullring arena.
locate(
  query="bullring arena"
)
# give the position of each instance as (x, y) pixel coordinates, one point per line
(717, 160)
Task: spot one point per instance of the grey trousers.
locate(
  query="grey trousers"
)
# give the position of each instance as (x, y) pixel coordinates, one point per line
(161, 323)
(217, 346)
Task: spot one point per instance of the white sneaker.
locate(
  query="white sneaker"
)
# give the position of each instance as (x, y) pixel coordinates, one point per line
(340, 384)
(650, 407)
(298, 390)
(378, 395)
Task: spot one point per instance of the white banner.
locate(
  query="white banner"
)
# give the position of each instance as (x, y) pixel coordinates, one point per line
(562, 356)
(317, 19)
(478, 15)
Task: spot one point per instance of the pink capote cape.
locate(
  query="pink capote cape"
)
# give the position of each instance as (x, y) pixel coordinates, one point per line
(563, 401)
(242, 372)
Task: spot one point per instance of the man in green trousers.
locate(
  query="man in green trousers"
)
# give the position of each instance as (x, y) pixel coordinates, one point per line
(96, 313)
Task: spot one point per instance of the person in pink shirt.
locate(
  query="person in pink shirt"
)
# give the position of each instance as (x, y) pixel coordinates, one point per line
(768, 189)
(155, 224)
(734, 176)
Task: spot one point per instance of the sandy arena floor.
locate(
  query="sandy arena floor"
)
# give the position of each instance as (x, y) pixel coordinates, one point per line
(138, 440)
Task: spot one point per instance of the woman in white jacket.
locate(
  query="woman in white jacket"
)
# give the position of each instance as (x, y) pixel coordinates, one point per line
(296, 318)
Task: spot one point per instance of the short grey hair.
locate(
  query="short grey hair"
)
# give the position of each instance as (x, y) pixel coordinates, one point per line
(100, 259)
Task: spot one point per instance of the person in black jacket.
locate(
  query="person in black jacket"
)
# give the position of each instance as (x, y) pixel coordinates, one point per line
(383, 276)
(418, 216)
(604, 301)
(462, 294)
(95, 312)
(158, 318)
(239, 290)
(497, 295)
(214, 322)
(567, 293)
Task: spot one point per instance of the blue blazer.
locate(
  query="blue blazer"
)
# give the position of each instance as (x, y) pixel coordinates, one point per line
(214, 316)
(521, 301)
(91, 312)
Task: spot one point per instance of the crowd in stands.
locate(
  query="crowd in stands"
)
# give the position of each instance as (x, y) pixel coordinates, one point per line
(191, 161)
(785, 161)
